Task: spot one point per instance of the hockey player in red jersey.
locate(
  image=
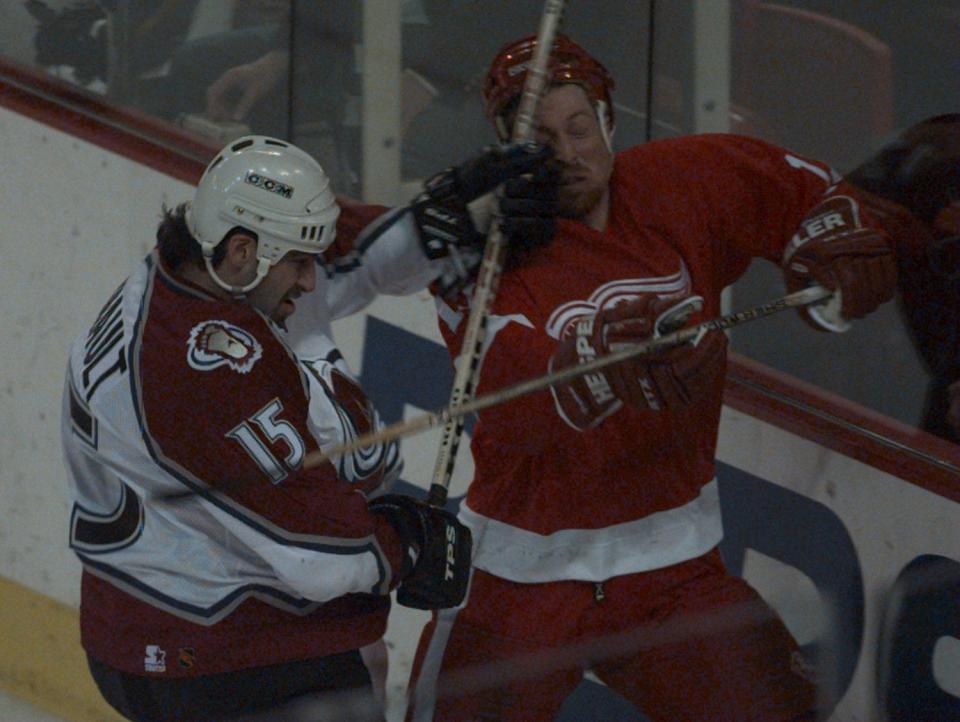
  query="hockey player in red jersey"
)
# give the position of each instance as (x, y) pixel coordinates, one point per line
(594, 507)
(912, 187)
(223, 580)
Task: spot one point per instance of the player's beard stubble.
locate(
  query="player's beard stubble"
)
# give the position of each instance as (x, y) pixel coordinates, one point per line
(577, 204)
(583, 186)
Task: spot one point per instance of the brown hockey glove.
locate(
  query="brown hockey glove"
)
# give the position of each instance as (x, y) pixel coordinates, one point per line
(439, 545)
(671, 378)
(833, 249)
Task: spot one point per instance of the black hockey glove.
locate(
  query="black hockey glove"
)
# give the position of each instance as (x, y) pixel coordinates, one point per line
(529, 207)
(441, 212)
(442, 545)
(484, 172)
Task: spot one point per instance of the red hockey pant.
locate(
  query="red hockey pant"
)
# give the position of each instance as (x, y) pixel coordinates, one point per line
(689, 642)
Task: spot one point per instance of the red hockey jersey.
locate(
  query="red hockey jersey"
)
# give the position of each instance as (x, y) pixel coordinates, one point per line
(638, 491)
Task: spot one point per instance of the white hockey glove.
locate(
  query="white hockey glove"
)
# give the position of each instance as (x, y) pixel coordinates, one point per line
(834, 249)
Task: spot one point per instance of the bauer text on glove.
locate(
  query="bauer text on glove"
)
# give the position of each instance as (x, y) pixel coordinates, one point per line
(833, 248)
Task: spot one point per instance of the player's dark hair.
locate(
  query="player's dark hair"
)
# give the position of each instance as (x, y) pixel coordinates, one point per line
(177, 245)
(920, 170)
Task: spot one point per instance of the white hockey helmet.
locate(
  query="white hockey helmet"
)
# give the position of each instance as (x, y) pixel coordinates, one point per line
(271, 188)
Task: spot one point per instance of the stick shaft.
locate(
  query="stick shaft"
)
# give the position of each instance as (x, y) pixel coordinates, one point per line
(491, 266)
(456, 413)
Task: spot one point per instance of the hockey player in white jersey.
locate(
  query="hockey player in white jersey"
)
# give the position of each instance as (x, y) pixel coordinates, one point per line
(222, 579)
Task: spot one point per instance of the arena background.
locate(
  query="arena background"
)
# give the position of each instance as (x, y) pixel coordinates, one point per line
(836, 508)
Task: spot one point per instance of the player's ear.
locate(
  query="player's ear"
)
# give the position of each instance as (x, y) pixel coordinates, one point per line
(241, 247)
(239, 254)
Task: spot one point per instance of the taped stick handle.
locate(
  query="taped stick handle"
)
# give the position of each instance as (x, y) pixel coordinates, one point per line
(456, 413)
(491, 266)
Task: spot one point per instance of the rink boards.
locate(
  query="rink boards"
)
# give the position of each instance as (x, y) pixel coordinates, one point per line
(849, 523)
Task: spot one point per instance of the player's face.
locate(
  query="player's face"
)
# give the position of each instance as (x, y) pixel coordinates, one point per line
(568, 123)
(291, 276)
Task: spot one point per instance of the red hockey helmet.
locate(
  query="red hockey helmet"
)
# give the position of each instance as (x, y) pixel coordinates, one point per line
(569, 63)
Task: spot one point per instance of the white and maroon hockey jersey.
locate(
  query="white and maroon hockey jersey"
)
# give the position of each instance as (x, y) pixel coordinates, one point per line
(637, 492)
(385, 258)
(261, 562)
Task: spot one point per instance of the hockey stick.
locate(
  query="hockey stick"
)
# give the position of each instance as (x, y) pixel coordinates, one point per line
(454, 414)
(491, 265)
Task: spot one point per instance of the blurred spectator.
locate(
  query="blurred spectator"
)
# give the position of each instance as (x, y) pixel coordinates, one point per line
(913, 187)
(75, 37)
(290, 68)
(254, 81)
(220, 36)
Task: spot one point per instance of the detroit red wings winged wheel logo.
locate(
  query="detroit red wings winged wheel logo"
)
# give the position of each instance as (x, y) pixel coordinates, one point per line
(675, 285)
(217, 343)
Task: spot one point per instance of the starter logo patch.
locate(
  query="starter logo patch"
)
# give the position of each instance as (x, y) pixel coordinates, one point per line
(154, 659)
(218, 343)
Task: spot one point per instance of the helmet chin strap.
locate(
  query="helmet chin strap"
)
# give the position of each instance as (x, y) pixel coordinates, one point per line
(606, 129)
(263, 267)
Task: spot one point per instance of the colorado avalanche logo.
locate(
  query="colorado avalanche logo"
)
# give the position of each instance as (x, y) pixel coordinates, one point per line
(218, 343)
(615, 292)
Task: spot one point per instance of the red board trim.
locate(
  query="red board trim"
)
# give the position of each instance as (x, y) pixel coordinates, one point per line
(843, 426)
(124, 131)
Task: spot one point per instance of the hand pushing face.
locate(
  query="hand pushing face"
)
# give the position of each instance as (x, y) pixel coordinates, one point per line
(568, 123)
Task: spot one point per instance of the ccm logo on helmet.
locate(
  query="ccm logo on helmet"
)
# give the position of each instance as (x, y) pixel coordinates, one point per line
(269, 184)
